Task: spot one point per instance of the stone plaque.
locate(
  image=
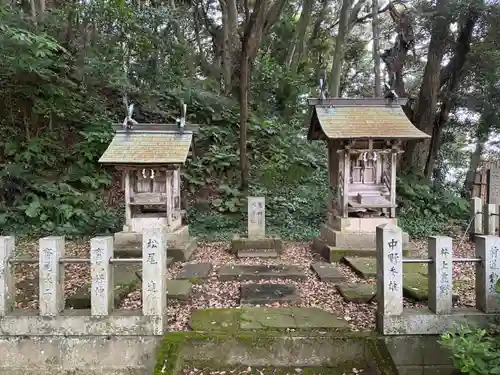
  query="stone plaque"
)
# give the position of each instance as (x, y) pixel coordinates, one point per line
(256, 217)
(493, 181)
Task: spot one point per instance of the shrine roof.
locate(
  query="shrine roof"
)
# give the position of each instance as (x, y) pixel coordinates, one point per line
(360, 119)
(159, 145)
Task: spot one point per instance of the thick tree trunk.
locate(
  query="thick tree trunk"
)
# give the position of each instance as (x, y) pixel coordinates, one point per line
(338, 56)
(415, 156)
(457, 63)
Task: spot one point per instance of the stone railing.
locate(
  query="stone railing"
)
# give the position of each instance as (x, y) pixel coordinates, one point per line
(52, 319)
(439, 316)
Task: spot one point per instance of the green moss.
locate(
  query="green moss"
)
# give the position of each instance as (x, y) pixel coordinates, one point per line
(168, 361)
(215, 320)
(381, 356)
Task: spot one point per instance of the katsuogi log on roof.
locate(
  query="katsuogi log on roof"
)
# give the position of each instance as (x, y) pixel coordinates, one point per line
(349, 119)
(148, 144)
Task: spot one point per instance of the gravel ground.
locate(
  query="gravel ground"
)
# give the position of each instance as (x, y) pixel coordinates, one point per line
(214, 293)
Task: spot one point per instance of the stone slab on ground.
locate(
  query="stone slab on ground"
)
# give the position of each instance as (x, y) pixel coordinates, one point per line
(244, 272)
(262, 294)
(195, 272)
(327, 272)
(179, 289)
(243, 243)
(262, 253)
(257, 318)
(335, 254)
(416, 287)
(357, 293)
(366, 267)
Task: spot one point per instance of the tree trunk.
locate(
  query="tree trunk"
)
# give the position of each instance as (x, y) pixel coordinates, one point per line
(244, 73)
(300, 47)
(338, 56)
(482, 134)
(457, 63)
(415, 156)
(376, 53)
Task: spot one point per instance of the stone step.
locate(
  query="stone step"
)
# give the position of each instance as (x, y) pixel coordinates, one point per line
(260, 272)
(264, 294)
(258, 254)
(328, 272)
(265, 318)
(357, 293)
(195, 272)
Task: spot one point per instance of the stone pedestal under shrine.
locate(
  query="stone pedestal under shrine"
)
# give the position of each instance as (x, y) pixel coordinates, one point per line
(150, 157)
(364, 138)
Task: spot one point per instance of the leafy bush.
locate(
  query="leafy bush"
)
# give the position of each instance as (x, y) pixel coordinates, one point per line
(425, 211)
(474, 351)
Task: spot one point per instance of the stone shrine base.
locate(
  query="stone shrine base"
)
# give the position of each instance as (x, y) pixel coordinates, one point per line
(265, 247)
(351, 236)
(181, 245)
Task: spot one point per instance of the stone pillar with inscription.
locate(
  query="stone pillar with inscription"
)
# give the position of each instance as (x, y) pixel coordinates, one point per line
(487, 273)
(440, 275)
(7, 288)
(389, 241)
(101, 273)
(154, 267)
(257, 244)
(51, 294)
(490, 218)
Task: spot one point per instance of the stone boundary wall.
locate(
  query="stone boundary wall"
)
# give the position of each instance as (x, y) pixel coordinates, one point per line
(57, 341)
(440, 316)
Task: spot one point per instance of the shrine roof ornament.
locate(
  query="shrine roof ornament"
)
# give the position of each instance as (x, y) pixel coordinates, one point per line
(140, 144)
(360, 119)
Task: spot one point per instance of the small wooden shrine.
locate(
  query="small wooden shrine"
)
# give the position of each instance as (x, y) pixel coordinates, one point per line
(150, 157)
(364, 141)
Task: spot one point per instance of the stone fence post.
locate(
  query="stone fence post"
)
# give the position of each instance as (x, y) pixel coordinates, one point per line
(440, 275)
(101, 272)
(389, 240)
(154, 268)
(7, 288)
(51, 294)
(487, 273)
(490, 218)
(476, 216)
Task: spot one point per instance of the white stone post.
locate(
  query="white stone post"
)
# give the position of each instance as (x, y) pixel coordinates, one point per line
(490, 219)
(476, 216)
(154, 269)
(440, 275)
(101, 273)
(389, 240)
(487, 273)
(51, 295)
(7, 285)
(256, 217)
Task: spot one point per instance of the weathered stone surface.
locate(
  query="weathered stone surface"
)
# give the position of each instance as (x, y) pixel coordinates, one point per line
(261, 294)
(356, 292)
(327, 272)
(263, 253)
(260, 272)
(195, 272)
(178, 289)
(256, 217)
(366, 267)
(255, 318)
(266, 243)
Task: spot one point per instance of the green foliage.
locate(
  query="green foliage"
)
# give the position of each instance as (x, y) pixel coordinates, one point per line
(474, 351)
(426, 211)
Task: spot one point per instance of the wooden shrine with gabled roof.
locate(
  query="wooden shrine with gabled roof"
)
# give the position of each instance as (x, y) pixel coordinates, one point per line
(150, 157)
(364, 138)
